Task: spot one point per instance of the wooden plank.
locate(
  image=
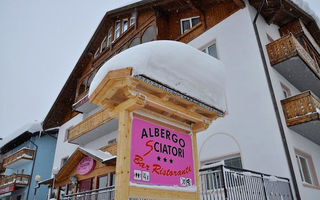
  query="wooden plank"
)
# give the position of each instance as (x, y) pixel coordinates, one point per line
(123, 157)
(147, 193)
(196, 164)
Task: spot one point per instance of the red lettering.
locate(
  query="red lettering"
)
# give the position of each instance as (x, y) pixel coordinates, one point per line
(139, 161)
(150, 147)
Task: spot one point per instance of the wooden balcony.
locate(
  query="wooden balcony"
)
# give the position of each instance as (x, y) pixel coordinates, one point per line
(293, 62)
(18, 180)
(302, 114)
(111, 148)
(19, 158)
(95, 126)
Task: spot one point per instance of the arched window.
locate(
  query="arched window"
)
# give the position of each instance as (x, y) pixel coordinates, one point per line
(135, 42)
(148, 35)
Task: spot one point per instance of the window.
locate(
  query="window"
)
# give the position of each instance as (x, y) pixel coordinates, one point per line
(132, 21)
(66, 134)
(148, 35)
(285, 90)
(96, 54)
(211, 50)
(63, 161)
(306, 168)
(134, 42)
(109, 37)
(188, 23)
(103, 45)
(117, 30)
(124, 25)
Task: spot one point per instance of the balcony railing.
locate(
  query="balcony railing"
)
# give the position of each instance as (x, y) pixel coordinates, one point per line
(288, 47)
(111, 148)
(227, 183)
(99, 194)
(301, 108)
(89, 124)
(18, 158)
(302, 114)
(16, 179)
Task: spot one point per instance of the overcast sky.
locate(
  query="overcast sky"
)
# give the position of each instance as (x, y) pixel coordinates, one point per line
(40, 43)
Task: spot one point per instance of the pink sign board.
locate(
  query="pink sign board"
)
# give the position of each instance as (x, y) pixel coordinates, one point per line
(85, 166)
(160, 156)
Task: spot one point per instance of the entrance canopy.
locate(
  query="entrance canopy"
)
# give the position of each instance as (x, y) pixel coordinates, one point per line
(175, 67)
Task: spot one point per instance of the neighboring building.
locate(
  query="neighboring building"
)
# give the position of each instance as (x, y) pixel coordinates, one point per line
(25, 154)
(272, 120)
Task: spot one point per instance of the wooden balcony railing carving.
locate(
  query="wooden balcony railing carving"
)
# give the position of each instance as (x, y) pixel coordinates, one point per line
(287, 47)
(301, 108)
(17, 179)
(23, 153)
(111, 148)
(88, 124)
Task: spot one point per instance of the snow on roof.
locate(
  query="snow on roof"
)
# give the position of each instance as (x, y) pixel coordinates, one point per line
(30, 127)
(305, 6)
(103, 156)
(176, 65)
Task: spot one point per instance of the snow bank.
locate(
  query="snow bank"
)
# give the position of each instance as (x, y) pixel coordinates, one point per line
(30, 127)
(305, 6)
(176, 65)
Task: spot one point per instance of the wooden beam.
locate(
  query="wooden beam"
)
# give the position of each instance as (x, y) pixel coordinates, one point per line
(123, 157)
(120, 73)
(147, 193)
(196, 164)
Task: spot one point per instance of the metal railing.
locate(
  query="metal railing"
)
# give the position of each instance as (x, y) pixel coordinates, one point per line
(227, 183)
(98, 194)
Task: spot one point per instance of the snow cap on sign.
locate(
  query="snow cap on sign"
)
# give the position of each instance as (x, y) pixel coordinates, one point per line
(176, 65)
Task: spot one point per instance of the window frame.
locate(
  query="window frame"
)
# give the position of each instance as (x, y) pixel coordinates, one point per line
(109, 37)
(103, 47)
(132, 21)
(190, 22)
(311, 169)
(117, 29)
(125, 20)
(205, 49)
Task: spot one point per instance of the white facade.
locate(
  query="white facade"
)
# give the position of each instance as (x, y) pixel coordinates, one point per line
(250, 128)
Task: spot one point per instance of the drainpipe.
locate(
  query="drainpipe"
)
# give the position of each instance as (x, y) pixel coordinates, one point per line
(274, 102)
(34, 161)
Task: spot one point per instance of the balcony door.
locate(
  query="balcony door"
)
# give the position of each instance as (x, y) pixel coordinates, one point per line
(85, 185)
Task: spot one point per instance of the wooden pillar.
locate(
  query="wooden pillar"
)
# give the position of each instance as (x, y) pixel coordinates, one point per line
(123, 156)
(196, 164)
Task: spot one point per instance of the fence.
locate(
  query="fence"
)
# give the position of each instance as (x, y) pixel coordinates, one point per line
(227, 183)
(99, 194)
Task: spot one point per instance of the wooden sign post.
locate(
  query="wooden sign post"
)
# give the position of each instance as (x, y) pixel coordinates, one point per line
(157, 144)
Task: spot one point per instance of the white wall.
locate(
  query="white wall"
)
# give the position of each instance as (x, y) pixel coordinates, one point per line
(294, 139)
(63, 148)
(250, 117)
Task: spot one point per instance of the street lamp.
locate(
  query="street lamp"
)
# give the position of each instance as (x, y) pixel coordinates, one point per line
(37, 178)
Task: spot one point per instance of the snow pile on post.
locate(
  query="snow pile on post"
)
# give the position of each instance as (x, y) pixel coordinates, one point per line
(176, 65)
